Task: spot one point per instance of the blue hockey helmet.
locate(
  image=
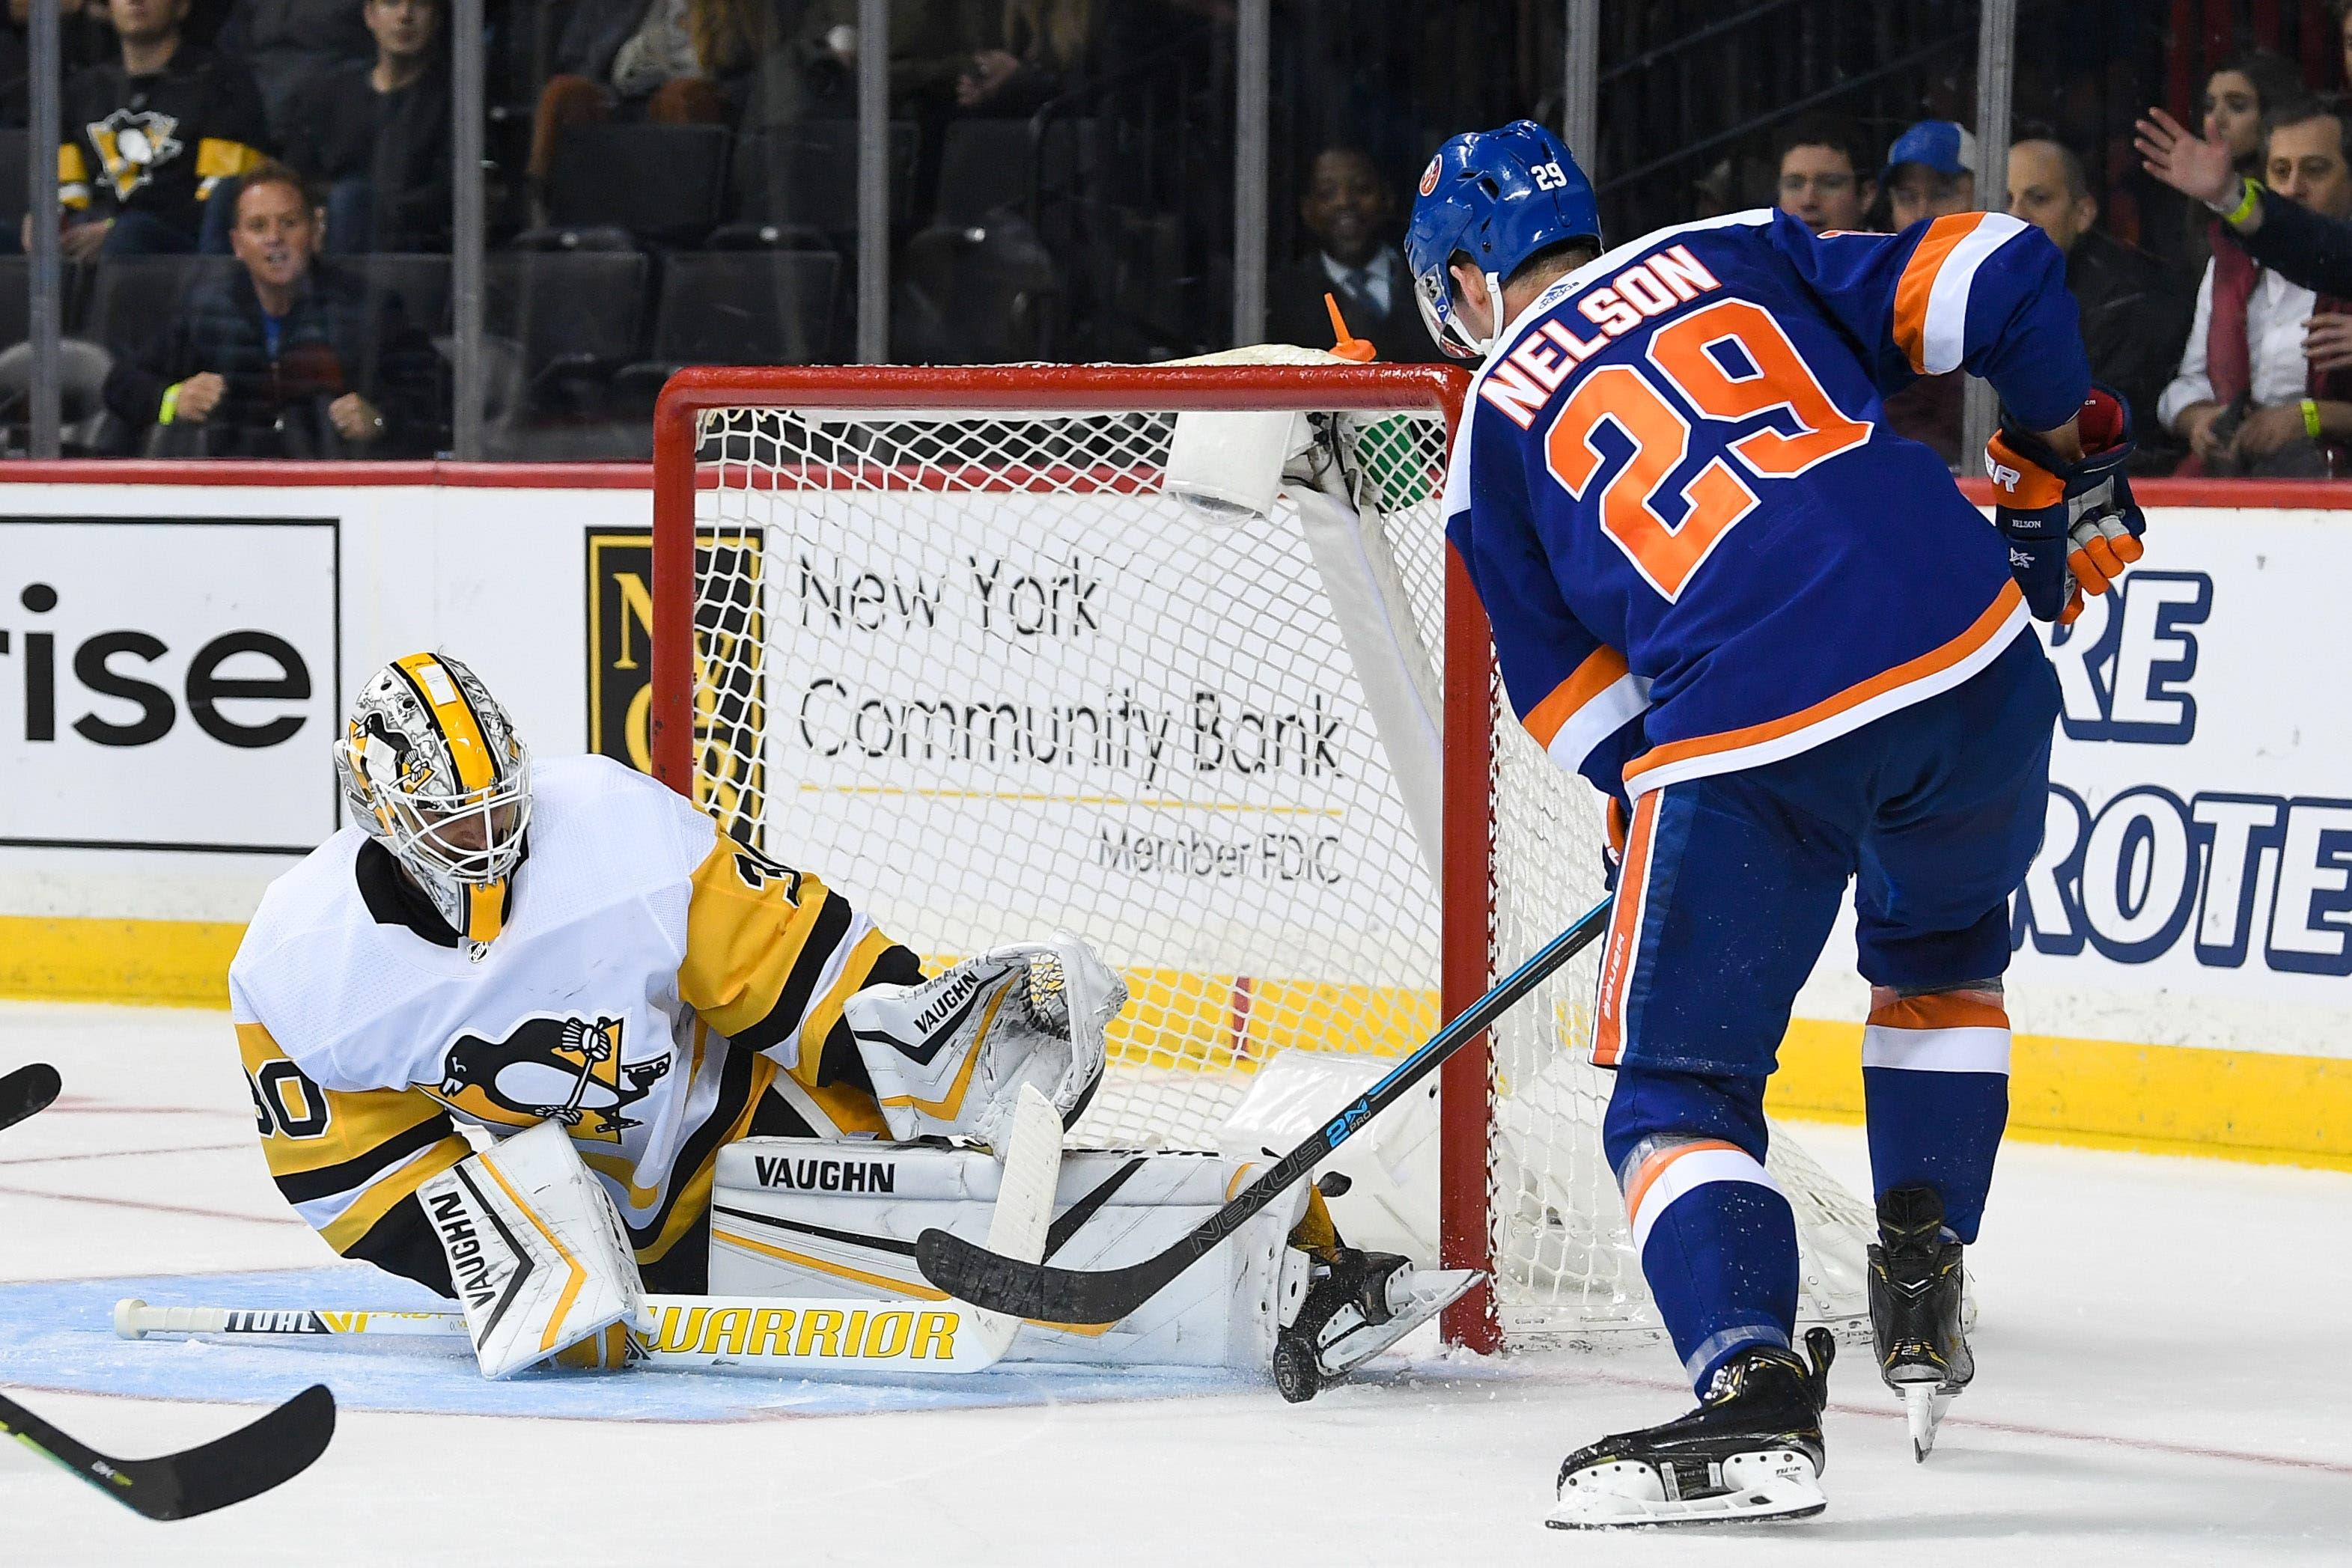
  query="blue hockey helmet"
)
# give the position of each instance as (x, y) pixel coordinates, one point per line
(1497, 196)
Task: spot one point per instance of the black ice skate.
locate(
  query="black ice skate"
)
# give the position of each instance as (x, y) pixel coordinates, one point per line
(1916, 1288)
(1752, 1450)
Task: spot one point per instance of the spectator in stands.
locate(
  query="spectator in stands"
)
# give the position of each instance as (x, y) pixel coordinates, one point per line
(149, 136)
(2240, 94)
(2134, 318)
(810, 71)
(1043, 47)
(1347, 208)
(282, 357)
(2236, 98)
(1821, 183)
(85, 37)
(377, 136)
(2308, 250)
(287, 43)
(672, 62)
(2251, 398)
(1931, 172)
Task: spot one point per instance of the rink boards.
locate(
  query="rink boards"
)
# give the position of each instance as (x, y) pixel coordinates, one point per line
(179, 652)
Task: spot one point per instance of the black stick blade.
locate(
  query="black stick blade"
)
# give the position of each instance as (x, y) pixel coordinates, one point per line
(28, 1091)
(250, 1461)
(1039, 1292)
(1044, 1294)
(244, 1464)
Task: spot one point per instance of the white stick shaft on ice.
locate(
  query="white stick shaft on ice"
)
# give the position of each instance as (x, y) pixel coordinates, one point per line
(804, 1333)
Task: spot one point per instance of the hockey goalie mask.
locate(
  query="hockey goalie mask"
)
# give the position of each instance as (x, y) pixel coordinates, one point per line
(431, 768)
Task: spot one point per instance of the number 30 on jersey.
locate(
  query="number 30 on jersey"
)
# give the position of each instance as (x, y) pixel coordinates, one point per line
(1688, 356)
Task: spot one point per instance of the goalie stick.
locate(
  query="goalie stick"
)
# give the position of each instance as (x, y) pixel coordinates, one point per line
(1046, 1294)
(27, 1092)
(246, 1463)
(788, 1333)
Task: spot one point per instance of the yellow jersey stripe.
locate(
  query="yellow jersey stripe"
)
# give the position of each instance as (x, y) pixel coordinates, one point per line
(756, 944)
(352, 1226)
(355, 1121)
(217, 158)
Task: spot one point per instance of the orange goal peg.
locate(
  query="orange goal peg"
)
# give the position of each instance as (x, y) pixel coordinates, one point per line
(1355, 349)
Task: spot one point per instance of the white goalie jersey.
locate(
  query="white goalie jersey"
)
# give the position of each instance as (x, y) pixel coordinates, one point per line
(656, 989)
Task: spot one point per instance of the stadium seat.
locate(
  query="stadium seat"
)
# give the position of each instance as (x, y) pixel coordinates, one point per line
(987, 294)
(556, 236)
(133, 300)
(807, 173)
(575, 316)
(13, 201)
(84, 427)
(663, 182)
(987, 166)
(16, 299)
(422, 282)
(744, 308)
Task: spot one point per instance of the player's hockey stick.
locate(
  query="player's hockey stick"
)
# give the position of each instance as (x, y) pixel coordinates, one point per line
(246, 1463)
(1047, 1294)
(789, 1333)
(25, 1092)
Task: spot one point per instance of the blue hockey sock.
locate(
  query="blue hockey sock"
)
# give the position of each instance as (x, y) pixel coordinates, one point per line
(1935, 1078)
(1716, 1238)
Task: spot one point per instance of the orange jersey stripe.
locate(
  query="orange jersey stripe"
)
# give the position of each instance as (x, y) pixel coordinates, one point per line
(1941, 1009)
(1624, 933)
(1934, 660)
(1918, 281)
(1655, 1167)
(1602, 668)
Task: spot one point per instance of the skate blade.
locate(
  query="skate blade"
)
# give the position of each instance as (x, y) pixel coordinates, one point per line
(1756, 1505)
(1924, 1405)
(1786, 1495)
(1437, 1292)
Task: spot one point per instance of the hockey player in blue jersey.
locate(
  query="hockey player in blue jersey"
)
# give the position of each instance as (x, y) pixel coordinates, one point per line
(1790, 651)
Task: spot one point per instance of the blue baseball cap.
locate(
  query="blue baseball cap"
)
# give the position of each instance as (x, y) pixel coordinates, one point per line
(1944, 145)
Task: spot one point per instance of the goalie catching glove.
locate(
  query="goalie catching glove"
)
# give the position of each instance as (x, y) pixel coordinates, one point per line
(948, 1056)
(537, 1254)
(2071, 528)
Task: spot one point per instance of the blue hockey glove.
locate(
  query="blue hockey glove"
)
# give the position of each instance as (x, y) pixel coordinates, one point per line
(2071, 528)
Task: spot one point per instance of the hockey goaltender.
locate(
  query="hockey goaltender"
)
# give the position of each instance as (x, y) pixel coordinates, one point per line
(573, 964)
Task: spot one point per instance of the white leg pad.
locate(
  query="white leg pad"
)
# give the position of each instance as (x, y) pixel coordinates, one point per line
(535, 1249)
(803, 1216)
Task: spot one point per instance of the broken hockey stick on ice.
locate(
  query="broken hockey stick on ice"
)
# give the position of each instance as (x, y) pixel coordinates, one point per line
(788, 1334)
(27, 1092)
(1031, 1290)
(246, 1463)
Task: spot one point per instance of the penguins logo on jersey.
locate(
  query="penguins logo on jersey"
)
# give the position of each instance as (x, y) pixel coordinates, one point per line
(566, 1070)
(133, 145)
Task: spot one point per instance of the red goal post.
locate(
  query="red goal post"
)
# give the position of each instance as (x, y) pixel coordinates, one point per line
(1470, 690)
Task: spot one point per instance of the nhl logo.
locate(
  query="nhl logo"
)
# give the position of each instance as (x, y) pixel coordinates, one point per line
(1428, 178)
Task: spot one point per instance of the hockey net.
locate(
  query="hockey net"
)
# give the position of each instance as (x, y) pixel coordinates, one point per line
(959, 652)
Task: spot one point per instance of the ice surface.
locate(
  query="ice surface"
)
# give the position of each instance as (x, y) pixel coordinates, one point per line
(2158, 1383)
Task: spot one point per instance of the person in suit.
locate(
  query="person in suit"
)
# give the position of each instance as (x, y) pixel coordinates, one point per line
(1347, 208)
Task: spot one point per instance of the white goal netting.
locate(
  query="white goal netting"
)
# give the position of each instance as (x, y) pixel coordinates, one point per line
(982, 674)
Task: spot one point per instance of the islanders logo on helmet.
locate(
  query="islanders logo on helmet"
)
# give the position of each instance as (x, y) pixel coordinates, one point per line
(431, 768)
(1497, 197)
